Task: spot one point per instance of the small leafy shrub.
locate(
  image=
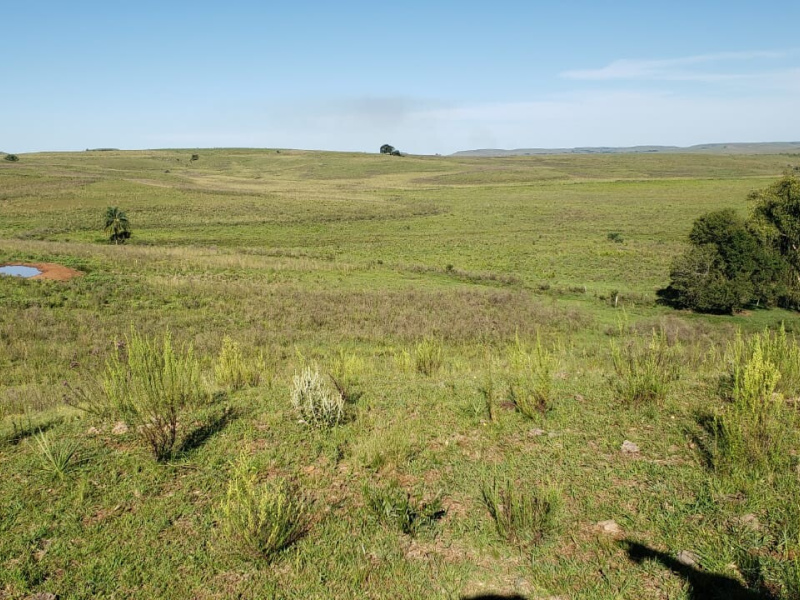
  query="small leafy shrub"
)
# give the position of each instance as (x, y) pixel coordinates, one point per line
(11, 158)
(531, 379)
(776, 347)
(261, 519)
(149, 385)
(645, 369)
(345, 373)
(615, 237)
(399, 509)
(235, 372)
(316, 403)
(428, 357)
(756, 430)
(523, 517)
(56, 456)
(386, 446)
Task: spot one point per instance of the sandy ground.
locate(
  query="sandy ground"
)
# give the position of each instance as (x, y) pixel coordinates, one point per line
(52, 271)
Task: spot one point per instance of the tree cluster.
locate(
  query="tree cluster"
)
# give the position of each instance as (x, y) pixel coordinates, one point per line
(734, 263)
(391, 150)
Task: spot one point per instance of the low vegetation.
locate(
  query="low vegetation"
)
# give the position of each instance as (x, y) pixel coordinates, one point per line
(432, 377)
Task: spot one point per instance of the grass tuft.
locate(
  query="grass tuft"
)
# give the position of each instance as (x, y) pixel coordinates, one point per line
(522, 517)
(261, 519)
(315, 402)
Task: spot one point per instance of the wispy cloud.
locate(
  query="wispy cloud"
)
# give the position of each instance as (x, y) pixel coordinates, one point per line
(673, 69)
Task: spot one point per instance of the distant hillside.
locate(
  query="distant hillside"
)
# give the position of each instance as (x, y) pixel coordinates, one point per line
(734, 148)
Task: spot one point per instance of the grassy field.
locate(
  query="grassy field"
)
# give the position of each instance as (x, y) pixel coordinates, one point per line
(429, 285)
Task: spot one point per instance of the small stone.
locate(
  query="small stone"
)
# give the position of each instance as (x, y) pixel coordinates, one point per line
(629, 448)
(579, 397)
(93, 431)
(120, 429)
(536, 432)
(610, 527)
(749, 521)
(688, 558)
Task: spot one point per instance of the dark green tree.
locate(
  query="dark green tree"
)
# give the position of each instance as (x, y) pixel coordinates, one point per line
(387, 149)
(117, 225)
(727, 267)
(776, 220)
(11, 157)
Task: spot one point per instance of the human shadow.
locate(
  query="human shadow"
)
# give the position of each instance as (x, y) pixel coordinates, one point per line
(702, 585)
(199, 436)
(494, 597)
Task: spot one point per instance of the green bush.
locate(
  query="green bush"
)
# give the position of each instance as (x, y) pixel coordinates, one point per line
(316, 403)
(523, 517)
(149, 386)
(11, 158)
(757, 429)
(398, 508)
(261, 519)
(645, 369)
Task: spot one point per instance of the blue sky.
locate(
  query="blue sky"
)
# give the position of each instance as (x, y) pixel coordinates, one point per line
(426, 77)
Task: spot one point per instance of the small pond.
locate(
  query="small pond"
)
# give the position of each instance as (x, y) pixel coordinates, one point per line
(19, 271)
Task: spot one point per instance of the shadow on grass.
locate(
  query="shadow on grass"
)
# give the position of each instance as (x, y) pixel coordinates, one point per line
(702, 585)
(21, 432)
(704, 439)
(198, 437)
(494, 597)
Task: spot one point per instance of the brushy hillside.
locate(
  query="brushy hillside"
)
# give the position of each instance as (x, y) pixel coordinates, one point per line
(324, 375)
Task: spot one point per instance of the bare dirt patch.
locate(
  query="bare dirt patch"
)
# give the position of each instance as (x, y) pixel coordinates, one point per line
(52, 271)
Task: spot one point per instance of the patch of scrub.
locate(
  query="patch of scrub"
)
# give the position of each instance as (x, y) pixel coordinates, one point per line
(19, 271)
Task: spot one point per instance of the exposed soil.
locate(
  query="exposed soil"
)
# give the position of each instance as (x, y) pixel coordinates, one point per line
(52, 271)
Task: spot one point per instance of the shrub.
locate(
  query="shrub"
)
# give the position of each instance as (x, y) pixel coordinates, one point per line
(428, 357)
(313, 399)
(398, 508)
(776, 347)
(11, 158)
(756, 430)
(522, 517)
(531, 379)
(233, 370)
(645, 369)
(615, 237)
(260, 520)
(149, 385)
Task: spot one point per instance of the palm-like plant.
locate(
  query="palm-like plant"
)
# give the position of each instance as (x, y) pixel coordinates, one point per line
(117, 225)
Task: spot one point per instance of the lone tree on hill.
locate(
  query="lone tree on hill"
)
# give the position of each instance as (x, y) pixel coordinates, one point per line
(117, 225)
(11, 157)
(391, 150)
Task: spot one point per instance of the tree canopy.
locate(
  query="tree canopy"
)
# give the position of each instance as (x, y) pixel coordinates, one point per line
(734, 263)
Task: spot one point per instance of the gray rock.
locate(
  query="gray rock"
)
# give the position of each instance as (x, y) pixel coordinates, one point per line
(688, 558)
(629, 448)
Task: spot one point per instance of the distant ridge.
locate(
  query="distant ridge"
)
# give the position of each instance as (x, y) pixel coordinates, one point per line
(733, 148)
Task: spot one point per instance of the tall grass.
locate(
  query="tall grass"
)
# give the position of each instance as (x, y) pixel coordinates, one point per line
(149, 385)
(233, 370)
(56, 455)
(428, 357)
(645, 369)
(260, 519)
(531, 378)
(523, 517)
(400, 509)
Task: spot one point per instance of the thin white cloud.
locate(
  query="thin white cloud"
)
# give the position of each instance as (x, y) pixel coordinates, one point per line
(671, 69)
